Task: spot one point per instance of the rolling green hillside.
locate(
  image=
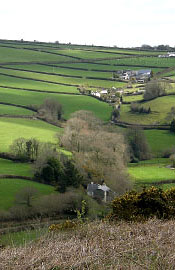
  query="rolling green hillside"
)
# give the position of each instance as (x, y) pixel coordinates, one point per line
(31, 72)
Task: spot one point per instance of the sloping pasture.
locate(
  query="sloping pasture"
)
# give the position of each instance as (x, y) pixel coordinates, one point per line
(70, 103)
(13, 128)
(9, 188)
(160, 107)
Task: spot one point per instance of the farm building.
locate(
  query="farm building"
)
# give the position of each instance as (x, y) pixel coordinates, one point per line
(101, 192)
(141, 75)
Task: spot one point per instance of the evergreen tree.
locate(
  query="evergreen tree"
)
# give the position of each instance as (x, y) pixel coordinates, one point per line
(71, 174)
(172, 126)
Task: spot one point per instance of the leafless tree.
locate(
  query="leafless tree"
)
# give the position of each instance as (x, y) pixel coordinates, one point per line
(155, 89)
(51, 109)
(99, 154)
(26, 195)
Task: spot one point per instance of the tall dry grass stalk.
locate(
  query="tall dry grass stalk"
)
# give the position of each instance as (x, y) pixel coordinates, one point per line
(98, 246)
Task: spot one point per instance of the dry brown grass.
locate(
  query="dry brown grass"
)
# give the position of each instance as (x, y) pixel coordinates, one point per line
(99, 246)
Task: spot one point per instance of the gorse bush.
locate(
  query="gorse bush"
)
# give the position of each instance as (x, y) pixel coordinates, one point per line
(140, 206)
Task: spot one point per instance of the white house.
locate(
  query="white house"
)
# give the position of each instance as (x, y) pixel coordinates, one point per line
(97, 94)
(104, 92)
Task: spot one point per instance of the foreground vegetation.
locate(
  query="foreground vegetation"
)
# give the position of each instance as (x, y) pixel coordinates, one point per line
(98, 246)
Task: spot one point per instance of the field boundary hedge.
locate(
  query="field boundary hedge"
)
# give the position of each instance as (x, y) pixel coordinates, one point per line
(12, 176)
(127, 125)
(42, 72)
(37, 90)
(19, 106)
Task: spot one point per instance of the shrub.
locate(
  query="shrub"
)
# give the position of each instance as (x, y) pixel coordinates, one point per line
(172, 158)
(172, 126)
(140, 109)
(140, 206)
(168, 152)
(68, 224)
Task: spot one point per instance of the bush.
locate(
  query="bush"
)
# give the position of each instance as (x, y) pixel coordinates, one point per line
(140, 206)
(172, 126)
(138, 145)
(154, 89)
(140, 109)
(168, 152)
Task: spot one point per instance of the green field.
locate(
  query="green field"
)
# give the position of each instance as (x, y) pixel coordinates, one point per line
(132, 98)
(15, 55)
(147, 173)
(12, 129)
(55, 79)
(70, 103)
(35, 85)
(160, 140)
(160, 107)
(12, 110)
(16, 168)
(144, 61)
(9, 187)
(64, 71)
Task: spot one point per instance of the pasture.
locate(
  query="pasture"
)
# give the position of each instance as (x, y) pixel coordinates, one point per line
(70, 103)
(144, 62)
(16, 168)
(12, 129)
(9, 188)
(12, 110)
(21, 55)
(160, 140)
(147, 173)
(53, 80)
(160, 107)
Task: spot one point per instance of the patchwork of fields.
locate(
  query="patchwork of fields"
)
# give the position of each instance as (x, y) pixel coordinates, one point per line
(31, 72)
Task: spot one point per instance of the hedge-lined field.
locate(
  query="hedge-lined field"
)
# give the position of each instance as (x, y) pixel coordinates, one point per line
(149, 174)
(70, 103)
(15, 55)
(36, 85)
(53, 80)
(12, 110)
(13, 128)
(160, 107)
(64, 71)
(160, 140)
(9, 187)
(16, 168)
(144, 61)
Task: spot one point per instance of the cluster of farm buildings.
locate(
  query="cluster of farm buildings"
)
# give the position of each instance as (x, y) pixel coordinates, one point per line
(169, 54)
(138, 76)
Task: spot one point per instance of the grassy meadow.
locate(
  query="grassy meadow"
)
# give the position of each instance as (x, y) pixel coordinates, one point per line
(159, 140)
(145, 174)
(15, 168)
(70, 103)
(9, 188)
(160, 107)
(12, 129)
(12, 110)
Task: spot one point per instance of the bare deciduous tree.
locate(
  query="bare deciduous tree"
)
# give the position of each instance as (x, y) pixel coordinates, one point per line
(155, 89)
(51, 109)
(99, 154)
(26, 195)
